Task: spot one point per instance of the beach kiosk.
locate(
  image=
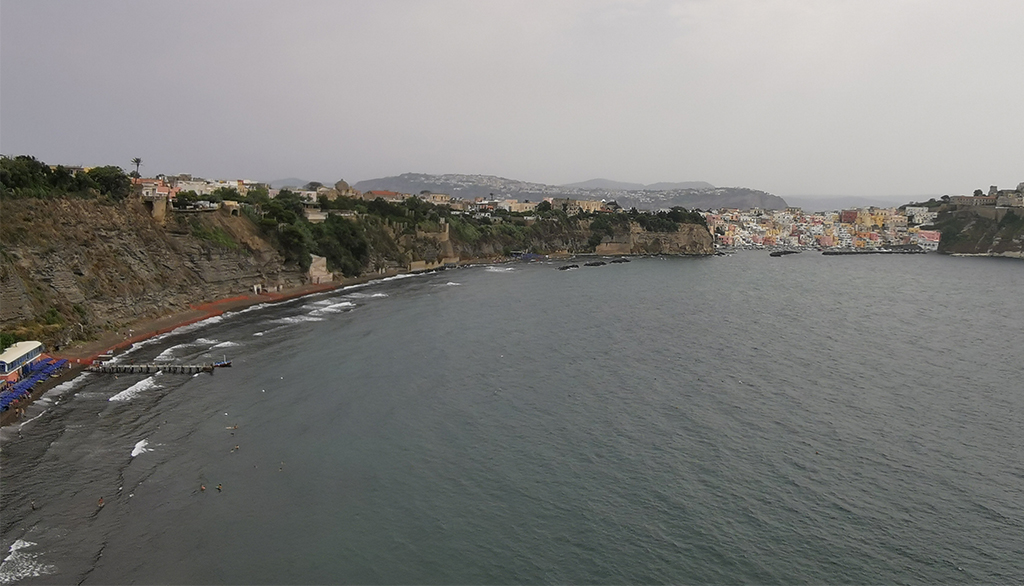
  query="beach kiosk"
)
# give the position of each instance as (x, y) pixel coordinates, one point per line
(16, 356)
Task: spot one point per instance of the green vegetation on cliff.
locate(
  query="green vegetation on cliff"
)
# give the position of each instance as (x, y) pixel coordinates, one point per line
(79, 255)
(24, 176)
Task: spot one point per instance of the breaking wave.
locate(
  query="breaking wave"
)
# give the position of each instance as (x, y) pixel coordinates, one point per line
(19, 564)
(296, 319)
(140, 448)
(333, 308)
(133, 391)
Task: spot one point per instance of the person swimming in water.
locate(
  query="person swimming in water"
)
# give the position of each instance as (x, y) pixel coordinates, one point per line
(99, 504)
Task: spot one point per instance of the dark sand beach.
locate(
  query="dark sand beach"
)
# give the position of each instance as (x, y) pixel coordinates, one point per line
(82, 354)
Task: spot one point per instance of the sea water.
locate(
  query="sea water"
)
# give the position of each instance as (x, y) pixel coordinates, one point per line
(686, 420)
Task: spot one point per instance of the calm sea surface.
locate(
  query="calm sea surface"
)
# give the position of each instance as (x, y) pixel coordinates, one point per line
(737, 419)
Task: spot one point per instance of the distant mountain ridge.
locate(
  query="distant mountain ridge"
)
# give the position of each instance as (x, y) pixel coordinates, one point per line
(490, 186)
(812, 203)
(610, 185)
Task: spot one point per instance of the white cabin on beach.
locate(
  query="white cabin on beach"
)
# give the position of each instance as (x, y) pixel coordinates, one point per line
(16, 356)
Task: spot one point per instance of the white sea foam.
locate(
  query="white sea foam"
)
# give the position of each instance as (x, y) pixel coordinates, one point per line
(206, 341)
(168, 354)
(358, 295)
(319, 303)
(132, 391)
(256, 307)
(228, 344)
(199, 324)
(258, 333)
(450, 284)
(182, 330)
(333, 308)
(493, 269)
(296, 319)
(19, 564)
(399, 277)
(140, 448)
(89, 395)
(27, 421)
(67, 385)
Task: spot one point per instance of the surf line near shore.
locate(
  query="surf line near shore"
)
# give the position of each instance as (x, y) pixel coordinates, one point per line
(146, 329)
(82, 356)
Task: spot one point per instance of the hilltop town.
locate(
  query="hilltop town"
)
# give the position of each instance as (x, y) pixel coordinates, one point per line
(864, 228)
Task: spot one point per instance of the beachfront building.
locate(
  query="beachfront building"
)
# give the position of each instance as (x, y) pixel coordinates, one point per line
(16, 357)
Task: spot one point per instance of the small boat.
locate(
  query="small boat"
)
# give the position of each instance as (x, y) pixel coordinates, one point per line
(222, 364)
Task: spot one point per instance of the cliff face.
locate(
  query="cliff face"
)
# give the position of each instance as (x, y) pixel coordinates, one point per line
(70, 268)
(691, 239)
(984, 231)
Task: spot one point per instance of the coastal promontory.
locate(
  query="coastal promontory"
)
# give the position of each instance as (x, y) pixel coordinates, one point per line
(82, 257)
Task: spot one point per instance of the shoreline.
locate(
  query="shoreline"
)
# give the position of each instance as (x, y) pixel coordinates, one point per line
(81, 355)
(146, 328)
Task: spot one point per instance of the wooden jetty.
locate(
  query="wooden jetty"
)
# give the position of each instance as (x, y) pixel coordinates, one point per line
(155, 368)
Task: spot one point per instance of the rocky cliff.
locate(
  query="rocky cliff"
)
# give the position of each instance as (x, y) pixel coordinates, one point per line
(986, 231)
(691, 239)
(70, 268)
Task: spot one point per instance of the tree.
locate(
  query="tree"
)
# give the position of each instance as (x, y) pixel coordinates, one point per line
(225, 193)
(111, 180)
(978, 193)
(7, 340)
(185, 198)
(258, 195)
(24, 176)
(138, 163)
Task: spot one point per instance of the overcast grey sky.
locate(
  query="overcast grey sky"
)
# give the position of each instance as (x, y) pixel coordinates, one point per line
(794, 97)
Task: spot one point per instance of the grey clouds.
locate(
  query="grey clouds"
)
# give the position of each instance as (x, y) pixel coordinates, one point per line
(795, 98)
